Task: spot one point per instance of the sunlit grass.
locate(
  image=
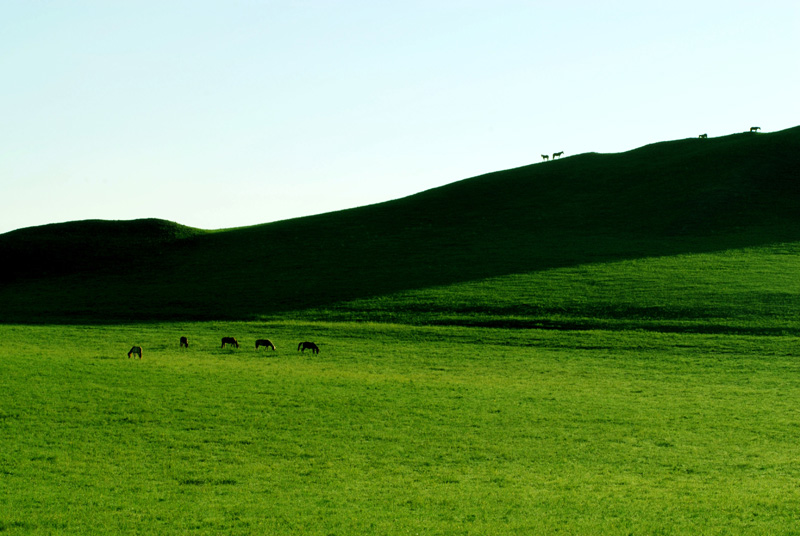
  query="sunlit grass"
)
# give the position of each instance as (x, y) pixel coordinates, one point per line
(602, 345)
(396, 429)
(744, 290)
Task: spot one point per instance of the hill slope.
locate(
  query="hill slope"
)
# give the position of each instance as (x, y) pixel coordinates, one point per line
(669, 198)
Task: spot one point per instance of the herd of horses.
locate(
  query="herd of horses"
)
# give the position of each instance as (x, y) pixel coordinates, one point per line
(752, 129)
(231, 341)
(546, 157)
(303, 346)
(555, 155)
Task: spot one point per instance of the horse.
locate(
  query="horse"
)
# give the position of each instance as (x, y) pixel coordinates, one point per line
(556, 155)
(184, 342)
(266, 343)
(135, 350)
(703, 136)
(303, 346)
(229, 341)
(545, 157)
(755, 129)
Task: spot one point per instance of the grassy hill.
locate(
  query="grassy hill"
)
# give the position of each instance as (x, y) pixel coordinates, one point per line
(446, 427)
(659, 236)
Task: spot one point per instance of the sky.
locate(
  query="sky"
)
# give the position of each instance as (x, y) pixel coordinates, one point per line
(229, 113)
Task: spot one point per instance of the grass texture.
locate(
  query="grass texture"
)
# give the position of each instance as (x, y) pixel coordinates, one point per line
(396, 430)
(604, 344)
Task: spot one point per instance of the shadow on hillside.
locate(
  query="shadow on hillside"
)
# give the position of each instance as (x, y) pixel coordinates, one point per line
(687, 196)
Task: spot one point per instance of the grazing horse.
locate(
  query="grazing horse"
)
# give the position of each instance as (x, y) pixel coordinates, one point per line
(755, 129)
(703, 136)
(137, 350)
(545, 157)
(229, 341)
(556, 155)
(266, 343)
(184, 342)
(303, 346)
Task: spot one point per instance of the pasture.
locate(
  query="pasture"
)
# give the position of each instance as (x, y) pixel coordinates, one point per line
(396, 429)
(605, 344)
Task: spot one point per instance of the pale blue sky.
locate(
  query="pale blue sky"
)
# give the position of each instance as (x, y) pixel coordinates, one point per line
(228, 113)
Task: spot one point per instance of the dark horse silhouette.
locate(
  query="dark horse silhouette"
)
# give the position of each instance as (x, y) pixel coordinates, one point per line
(230, 341)
(303, 346)
(136, 350)
(265, 343)
(755, 129)
(184, 342)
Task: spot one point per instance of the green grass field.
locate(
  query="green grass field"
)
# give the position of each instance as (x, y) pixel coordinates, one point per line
(396, 429)
(605, 344)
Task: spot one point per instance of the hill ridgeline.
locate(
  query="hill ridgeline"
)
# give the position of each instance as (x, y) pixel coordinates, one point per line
(668, 198)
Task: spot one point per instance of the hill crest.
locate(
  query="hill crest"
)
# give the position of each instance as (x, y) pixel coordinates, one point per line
(660, 199)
